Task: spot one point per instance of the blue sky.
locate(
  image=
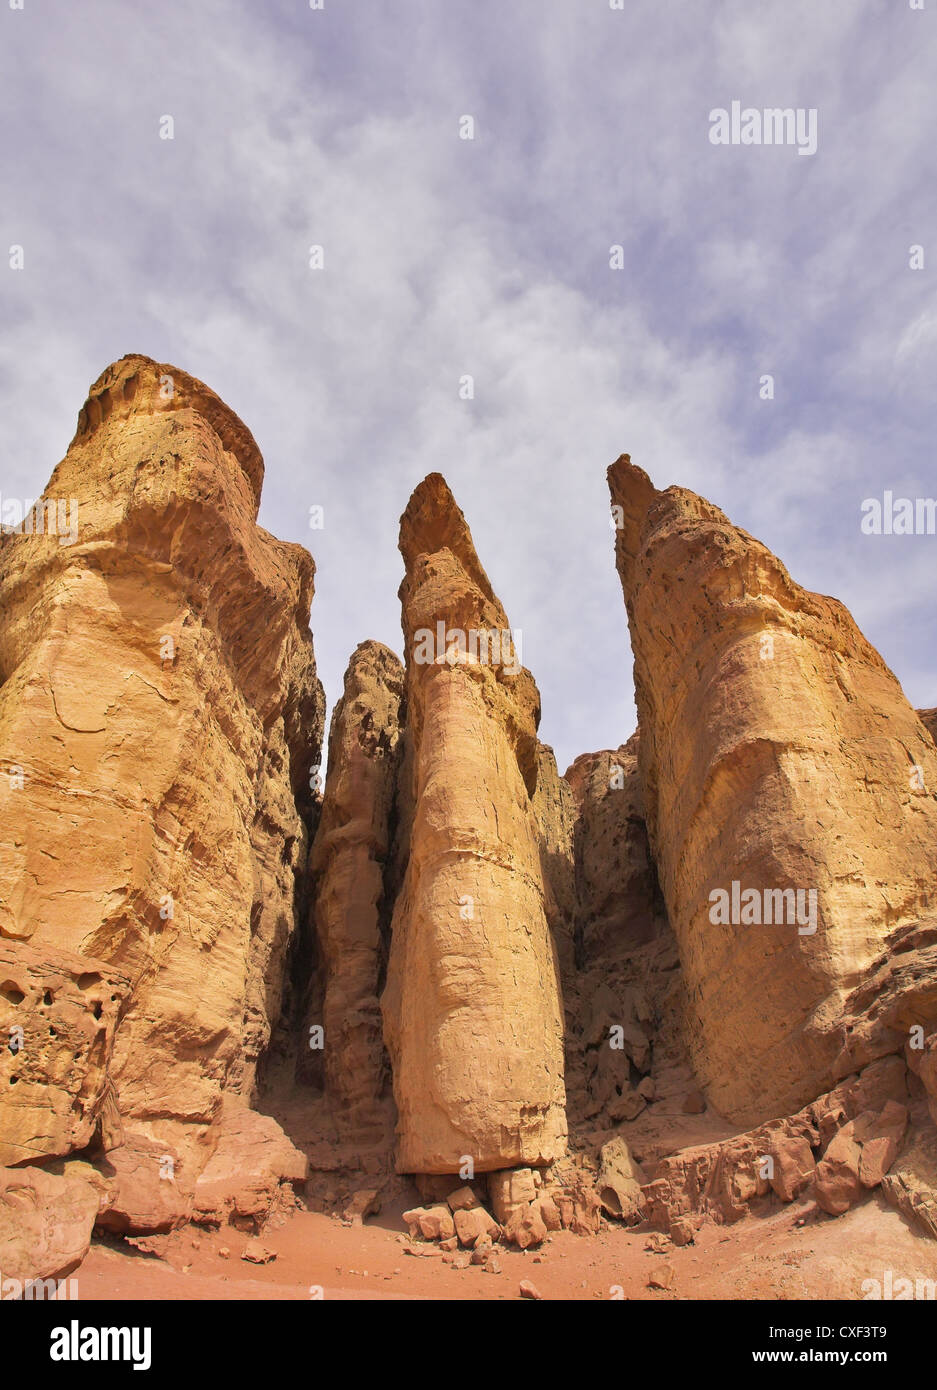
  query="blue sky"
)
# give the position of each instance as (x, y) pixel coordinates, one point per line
(490, 257)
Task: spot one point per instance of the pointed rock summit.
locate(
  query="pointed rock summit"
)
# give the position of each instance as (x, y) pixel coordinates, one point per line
(472, 1006)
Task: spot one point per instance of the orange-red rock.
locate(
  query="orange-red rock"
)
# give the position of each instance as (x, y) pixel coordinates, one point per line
(58, 1019)
(46, 1220)
(928, 718)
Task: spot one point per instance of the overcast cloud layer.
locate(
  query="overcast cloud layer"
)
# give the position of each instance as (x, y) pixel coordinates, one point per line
(490, 257)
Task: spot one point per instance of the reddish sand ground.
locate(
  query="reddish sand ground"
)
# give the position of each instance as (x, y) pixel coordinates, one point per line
(758, 1258)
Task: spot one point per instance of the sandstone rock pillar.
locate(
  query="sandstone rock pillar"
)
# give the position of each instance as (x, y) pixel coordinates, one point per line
(778, 755)
(159, 715)
(472, 1008)
(347, 866)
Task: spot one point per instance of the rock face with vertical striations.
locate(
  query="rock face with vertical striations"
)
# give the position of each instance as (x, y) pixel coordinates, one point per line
(159, 715)
(347, 863)
(555, 810)
(472, 1005)
(778, 753)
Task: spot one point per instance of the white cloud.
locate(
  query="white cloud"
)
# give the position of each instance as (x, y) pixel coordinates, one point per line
(444, 257)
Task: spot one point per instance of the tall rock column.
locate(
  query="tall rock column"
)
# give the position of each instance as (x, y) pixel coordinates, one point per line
(472, 1009)
(791, 800)
(347, 867)
(159, 714)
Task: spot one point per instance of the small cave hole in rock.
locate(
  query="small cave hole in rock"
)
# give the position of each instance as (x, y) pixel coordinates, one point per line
(11, 992)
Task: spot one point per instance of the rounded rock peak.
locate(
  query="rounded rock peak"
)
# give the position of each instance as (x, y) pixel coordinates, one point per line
(136, 384)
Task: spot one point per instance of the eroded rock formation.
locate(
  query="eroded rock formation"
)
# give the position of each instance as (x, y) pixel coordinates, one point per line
(528, 964)
(778, 754)
(159, 714)
(472, 1004)
(58, 1020)
(814, 1150)
(348, 863)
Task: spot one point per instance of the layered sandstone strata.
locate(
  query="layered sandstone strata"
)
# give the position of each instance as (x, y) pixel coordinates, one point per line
(836, 1150)
(348, 862)
(159, 715)
(472, 1005)
(778, 752)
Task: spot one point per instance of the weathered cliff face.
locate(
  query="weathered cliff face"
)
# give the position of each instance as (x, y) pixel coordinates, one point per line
(347, 862)
(555, 949)
(928, 718)
(777, 753)
(555, 810)
(624, 1046)
(159, 715)
(618, 899)
(472, 1005)
(58, 1019)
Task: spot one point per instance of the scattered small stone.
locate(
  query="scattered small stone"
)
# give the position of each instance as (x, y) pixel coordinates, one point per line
(529, 1290)
(661, 1278)
(257, 1254)
(224, 1252)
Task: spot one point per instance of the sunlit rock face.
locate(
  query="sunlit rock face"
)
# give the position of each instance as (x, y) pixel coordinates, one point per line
(472, 1006)
(777, 752)
(160, 703)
